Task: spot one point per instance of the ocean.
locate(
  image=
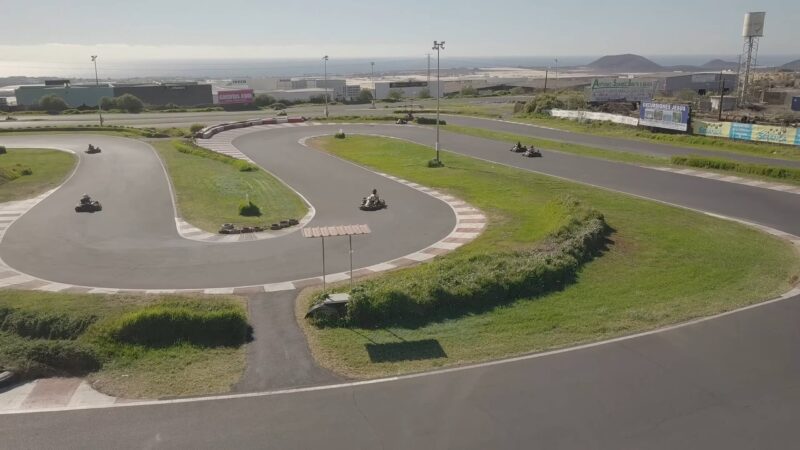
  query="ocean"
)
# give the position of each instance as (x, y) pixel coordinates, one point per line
(242, 68)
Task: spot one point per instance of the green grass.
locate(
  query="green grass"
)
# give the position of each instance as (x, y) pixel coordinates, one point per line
(126, 370)
(110, 130)
(762, 149)
(784, 174)
(209, 191)
(665, 265)
(49, 169)
(565, 147)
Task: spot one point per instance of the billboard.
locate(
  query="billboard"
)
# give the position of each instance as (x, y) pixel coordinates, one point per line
(749, 132)
(664, 115)
(795, 103)
(617, 89)
(233, 97)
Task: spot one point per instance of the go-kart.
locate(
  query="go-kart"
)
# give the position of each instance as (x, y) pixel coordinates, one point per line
(401, 121)
(86, 204)
(519, 149)
(92, 149)
(366, 205)
(532, 153)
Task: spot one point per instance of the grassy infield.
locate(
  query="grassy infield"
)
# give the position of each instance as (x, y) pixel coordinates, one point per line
(48, 169)
(665, 265)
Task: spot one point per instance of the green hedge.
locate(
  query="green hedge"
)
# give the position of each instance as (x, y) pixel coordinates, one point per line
(43, 325)
(249, 209)
(453, 286)
(35, 358)
(784, 173)
(192, 149)
(169, 324)
(429, 121)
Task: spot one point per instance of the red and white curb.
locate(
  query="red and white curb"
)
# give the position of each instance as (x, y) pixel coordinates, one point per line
(790, 189)
(48, 393)
(470, 223)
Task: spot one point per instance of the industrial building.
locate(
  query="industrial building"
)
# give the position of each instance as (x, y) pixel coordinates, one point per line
(74, 95)
(700, 83)
(157, 94)
(411, 88)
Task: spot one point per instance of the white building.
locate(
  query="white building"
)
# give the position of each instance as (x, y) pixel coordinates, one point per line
(299, 95)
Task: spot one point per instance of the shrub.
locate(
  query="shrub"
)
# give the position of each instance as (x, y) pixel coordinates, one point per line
(457, 285)
(43, 325)
(129, 103)
(53, 104)
(3, 150)
(36, 358)
(26, 171)
(169, 324)
(424, 93)
(785, 173)
(429, 121)
(468, 91)
(191, 149)
(435, 163)
(395, 94)
(281, 113)
(278, 106)
(264, 100)
(542, 103)
(249, 209)
(339, 135)
(196, 127)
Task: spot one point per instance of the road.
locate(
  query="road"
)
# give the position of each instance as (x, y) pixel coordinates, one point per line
(730, 382)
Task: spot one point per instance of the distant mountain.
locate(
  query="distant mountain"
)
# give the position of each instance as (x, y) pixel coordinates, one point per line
(719, 64)
(794, 65)
(625, 63)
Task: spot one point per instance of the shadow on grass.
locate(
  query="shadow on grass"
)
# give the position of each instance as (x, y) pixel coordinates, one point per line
(405, 351)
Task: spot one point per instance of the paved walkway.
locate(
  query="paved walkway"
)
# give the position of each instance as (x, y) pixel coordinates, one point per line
(48, 393)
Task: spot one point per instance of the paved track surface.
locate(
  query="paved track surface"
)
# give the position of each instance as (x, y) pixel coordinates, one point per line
(730, 382)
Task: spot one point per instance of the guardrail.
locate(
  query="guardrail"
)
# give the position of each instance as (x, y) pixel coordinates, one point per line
(210, 131)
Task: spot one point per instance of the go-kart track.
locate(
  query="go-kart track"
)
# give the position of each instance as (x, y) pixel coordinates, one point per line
(729, 381)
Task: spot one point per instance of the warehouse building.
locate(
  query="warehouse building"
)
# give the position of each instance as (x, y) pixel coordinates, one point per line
(700, 83)
(74, 95)
(407, 89)
(158, 94)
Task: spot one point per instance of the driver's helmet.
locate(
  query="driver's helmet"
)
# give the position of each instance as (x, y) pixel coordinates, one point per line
(374, 192)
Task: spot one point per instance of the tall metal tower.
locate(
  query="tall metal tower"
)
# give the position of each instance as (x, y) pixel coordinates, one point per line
(752, 30)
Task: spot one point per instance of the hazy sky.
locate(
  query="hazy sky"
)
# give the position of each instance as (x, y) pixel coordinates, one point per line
(47, 30)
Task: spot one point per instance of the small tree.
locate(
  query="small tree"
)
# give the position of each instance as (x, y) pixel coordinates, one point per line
(196, 127)
(686, 95)
(264, 100)
(575, 101)
(395, 94)
(542, 103)
(129, 103)
(517, 90)
(53, 104)
(364, 96)
(424, 93)
(107, 103)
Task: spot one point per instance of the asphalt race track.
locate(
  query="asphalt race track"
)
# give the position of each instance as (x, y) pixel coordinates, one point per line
(729, 382)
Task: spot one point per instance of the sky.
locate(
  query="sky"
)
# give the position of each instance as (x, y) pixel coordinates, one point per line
(62, 31)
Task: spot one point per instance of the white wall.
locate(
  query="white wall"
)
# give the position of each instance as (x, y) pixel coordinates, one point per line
(588, 115)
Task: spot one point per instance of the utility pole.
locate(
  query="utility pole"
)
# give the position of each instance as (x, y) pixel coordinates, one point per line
(97, 83)
(325, 59)
(438, 46)
(721, 96)
(429, 70)
(556, 87)
(545, 78)
(374, 89)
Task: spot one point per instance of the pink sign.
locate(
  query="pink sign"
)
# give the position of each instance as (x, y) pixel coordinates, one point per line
(234, 97)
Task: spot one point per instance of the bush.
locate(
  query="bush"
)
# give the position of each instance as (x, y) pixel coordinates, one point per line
(264, 100)
(424, 93)
(339, 135)
(42, 325)
(395, 94)
(107, 103)
(429, 121)
(784, 173)
(170, 324)
(36, 358)
(129, 103)
(26, 171)
(364, 96)
(3, 150)
(468, 91)
(458, 285)
(542, 103)
(435, 163)
(196, 127)
(53, 104)
(249, 209)
(281, 113)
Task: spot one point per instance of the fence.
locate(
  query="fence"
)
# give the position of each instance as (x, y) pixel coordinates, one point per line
(589, 115)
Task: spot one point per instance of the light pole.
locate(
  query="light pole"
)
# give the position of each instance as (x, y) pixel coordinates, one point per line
(325, 59)
(374, 90)
(438, 46)
(97, 83)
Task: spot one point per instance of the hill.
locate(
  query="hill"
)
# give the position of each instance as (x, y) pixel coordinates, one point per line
(794, 65)
(625, 63)
(719, 64)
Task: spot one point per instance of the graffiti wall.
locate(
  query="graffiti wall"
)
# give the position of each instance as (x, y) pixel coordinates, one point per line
(748, 132)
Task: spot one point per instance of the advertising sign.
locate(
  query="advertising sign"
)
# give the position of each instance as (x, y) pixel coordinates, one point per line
(664, 115)
(616, 89)
(235, 97)
(748, 132)
(741, 131)
(795, 103)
